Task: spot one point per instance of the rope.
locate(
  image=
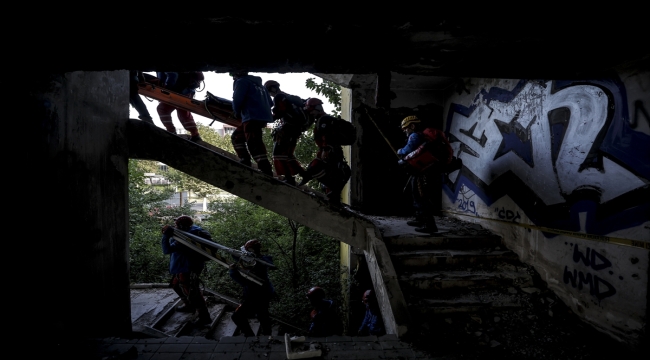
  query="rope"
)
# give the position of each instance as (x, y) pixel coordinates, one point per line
(380, 132)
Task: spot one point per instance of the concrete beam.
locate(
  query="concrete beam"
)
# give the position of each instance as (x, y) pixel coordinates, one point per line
(384, 278)
(308, 208)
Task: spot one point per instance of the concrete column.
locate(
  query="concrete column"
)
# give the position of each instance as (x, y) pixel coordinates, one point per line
(79, 152)
(358, 152)
(346, 113)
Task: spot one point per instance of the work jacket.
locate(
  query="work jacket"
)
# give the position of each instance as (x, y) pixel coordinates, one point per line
(250, 100)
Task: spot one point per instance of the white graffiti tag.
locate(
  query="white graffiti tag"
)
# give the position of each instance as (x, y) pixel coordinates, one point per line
(517, 136)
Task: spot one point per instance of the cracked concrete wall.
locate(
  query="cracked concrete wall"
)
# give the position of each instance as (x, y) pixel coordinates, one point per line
(561, 170)
(81, 156)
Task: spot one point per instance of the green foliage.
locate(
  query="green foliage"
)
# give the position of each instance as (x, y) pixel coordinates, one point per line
(328, 89)
(211, 136)
(147, 213)
(304, 258)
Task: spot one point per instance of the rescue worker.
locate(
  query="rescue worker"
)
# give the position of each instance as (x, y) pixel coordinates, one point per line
(184, 83)
(372, 322)
(421, 188)
(252, 103)
(185, 266)
(135, 100)
(293, 121)
(329, 167)
(325, 320)
(256, 298)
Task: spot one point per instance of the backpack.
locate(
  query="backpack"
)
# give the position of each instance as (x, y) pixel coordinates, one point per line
(296, 114)
(337, 130)
(434, 153)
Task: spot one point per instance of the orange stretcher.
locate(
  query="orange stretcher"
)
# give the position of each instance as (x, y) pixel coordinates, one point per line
(213, 107)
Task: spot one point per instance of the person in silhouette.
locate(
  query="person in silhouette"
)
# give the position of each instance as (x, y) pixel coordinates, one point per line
(256, 298)
(186, 265)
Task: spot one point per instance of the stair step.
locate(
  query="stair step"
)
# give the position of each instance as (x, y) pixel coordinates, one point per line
(465, 303)
(428, 258)
(225, 327)
(444, 241)
(443, 280)
(255, 326)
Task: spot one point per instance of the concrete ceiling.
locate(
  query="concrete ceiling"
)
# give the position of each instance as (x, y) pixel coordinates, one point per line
(496, 44)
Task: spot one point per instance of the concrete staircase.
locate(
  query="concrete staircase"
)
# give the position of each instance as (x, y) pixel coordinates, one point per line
(310, 208)
(153, 309)
(450, 273)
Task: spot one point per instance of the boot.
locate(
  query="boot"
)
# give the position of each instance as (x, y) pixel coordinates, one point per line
(186, 307)
(418, 221)
(204, 318)
(246, 162)
(265, 167)
(202, 321)
(290, 180)
(305, 179)
(429, 227)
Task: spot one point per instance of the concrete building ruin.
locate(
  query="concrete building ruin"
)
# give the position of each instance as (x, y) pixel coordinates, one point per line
(552, 126)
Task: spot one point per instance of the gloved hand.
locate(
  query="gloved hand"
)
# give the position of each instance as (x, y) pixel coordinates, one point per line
(168, 230)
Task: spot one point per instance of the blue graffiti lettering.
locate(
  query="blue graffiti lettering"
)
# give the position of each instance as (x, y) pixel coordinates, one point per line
(467, 206)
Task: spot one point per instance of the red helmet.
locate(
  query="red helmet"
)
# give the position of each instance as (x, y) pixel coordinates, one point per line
(312, 103)
(315, 293)
(184, 222)
(271, 83)
(367, 296)
(253, 244)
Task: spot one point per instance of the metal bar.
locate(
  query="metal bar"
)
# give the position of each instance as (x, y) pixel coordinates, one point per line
(247, 257)
(214, 256)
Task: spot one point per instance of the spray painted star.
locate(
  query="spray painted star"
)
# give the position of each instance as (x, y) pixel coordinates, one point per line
(516, 138)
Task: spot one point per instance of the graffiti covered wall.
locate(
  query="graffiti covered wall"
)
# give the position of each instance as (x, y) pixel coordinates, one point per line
(561, 170)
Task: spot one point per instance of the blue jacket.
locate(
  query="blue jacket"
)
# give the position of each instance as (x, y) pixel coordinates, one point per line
(184, 259)
(414, 141)
(372, 323)
(250, 100)
(265, 290)
(325, 320)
